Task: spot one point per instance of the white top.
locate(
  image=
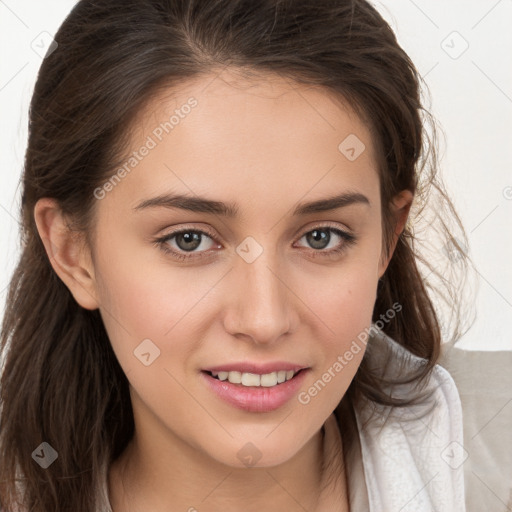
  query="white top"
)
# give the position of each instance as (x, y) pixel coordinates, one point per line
(406, 466)
(414, 466)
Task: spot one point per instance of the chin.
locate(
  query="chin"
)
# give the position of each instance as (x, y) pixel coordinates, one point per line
(256, 454)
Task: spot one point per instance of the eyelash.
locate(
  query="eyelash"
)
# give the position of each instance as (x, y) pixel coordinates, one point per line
(348, 240)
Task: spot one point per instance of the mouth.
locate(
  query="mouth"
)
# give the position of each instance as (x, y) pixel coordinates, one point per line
(253, 392)
(247, 379)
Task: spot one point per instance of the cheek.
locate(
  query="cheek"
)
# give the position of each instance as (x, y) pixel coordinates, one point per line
(344, 309)
(153, 317)
(350, 304)
(144, 306)
(146, 298)
(343, 297)
(343, 301)
(141, 299)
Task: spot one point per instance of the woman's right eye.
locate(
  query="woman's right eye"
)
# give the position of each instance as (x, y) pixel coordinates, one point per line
(186, 241)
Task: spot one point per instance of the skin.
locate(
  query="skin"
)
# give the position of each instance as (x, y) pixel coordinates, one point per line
(267, 145)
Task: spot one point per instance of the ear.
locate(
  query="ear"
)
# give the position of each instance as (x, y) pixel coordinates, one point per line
(67, 252)
(400, 205)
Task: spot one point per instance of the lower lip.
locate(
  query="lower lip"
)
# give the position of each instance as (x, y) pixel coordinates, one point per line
(255, 399)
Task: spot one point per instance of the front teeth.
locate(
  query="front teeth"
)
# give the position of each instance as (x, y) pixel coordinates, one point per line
(253, 379)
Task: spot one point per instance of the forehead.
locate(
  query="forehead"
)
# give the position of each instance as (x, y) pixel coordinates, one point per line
(224, 133)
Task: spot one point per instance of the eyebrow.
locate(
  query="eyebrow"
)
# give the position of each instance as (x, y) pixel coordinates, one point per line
(204, 205)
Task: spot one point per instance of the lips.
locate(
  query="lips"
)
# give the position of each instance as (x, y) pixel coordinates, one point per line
(255, 399)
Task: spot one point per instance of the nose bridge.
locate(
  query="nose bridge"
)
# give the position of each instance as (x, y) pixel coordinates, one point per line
(261, 306)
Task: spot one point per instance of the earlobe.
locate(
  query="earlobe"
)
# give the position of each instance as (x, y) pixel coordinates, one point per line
(66, 252)
(401, 205)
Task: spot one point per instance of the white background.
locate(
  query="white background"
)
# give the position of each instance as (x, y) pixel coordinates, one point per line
(471, 99)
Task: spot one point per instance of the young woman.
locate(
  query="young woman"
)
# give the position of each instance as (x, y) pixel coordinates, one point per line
(218, 304)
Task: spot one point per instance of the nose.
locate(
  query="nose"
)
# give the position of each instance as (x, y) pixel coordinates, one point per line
(261, 304)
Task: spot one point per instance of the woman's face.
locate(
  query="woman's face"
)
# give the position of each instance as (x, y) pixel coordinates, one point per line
(257, 276)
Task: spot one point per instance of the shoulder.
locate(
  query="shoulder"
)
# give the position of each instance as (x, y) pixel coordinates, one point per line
(393, 362)
(413, 454)
(436, 397)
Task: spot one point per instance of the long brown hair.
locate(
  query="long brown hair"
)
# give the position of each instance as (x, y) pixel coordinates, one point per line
(61, 382)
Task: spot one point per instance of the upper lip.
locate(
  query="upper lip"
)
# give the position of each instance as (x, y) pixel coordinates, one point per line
(259, 368)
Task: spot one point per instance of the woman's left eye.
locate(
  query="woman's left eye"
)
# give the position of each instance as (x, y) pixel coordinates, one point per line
(190, 240)
(320, 238)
